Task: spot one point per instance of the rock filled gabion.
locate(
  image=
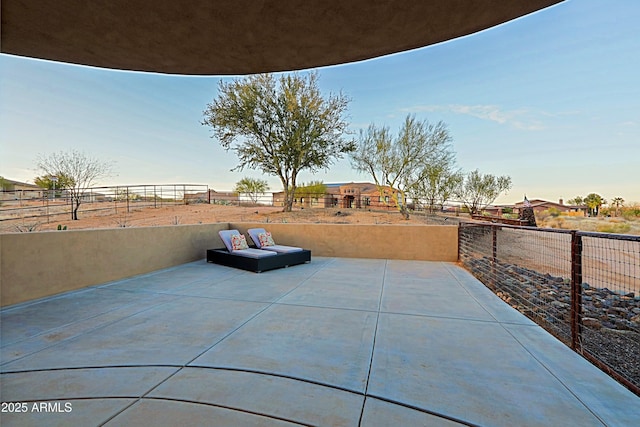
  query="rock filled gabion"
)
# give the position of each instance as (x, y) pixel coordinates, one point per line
(548, 298)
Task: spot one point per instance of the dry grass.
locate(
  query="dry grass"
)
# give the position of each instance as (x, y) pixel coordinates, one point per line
(617, 225)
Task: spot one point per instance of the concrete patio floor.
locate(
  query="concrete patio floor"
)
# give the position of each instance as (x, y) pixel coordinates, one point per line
(337, 342)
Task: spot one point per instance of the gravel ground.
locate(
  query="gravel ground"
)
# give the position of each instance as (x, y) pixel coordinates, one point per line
(618, 349)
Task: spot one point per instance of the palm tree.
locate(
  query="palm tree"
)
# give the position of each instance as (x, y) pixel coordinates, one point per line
(593, 202)
(617, 202)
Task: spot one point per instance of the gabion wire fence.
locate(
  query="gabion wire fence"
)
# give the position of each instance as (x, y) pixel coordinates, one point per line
(582, 287)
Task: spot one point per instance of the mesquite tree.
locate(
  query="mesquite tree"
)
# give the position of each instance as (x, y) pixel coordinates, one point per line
(477, 190)
(81, 172)
(280, 126)
(402, 163)
(252, 187)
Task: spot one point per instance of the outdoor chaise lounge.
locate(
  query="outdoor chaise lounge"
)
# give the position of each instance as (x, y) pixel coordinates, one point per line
(237, 254)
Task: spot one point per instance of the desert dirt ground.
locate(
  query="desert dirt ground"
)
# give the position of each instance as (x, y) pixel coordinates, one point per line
(139, 216)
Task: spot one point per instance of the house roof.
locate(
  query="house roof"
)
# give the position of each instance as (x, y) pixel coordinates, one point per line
(24, 184)
(540, 202)
(231, 37)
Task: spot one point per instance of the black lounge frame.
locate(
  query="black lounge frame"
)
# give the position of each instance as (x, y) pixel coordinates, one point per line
(257, 265)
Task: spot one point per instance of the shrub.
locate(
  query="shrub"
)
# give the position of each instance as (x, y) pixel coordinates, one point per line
(542, 216)
(631, 212)
(555, 222)
(617, 228)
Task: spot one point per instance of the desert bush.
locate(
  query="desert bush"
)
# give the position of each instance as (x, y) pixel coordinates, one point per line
(554, 222)
(614, 227)
(554, 212)
(541, 216)
(631, 212)
(28, 227)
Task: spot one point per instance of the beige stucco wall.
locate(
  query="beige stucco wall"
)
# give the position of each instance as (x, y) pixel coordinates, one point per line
(35, 265)
(412, 242)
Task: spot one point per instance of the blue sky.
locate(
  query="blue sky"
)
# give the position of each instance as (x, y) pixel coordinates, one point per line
(551, 99)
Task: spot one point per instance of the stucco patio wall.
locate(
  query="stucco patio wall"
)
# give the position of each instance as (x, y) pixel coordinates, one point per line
(35, 265)
(385, 241)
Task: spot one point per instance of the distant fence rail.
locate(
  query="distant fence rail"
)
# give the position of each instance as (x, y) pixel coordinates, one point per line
(582, 287)
(49, 205)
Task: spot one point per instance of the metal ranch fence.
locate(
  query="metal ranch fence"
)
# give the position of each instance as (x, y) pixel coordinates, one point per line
(582, 287)
(49, 205)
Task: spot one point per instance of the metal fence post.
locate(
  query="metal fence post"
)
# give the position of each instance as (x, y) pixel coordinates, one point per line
(576, 291)
(494, 254)
(459, 239)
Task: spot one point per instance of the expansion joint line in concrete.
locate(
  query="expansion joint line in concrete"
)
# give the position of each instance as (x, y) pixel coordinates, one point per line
(546, 368)
(181, 367)
(144, 395)
(373, 344)
(213, 405)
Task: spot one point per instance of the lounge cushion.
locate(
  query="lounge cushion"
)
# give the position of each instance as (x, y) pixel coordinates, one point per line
(281, 249)
(254, 234)
(254, 253)
(261, 236)
(225, 235)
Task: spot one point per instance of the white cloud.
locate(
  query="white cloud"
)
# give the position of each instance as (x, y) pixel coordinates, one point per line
(520, 119)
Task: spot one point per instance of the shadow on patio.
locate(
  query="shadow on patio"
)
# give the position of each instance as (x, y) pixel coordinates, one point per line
(339, 341)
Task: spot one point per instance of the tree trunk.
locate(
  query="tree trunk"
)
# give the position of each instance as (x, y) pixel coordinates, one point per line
(404, 212)
(401, 204)
(288, 205)
(288, 200)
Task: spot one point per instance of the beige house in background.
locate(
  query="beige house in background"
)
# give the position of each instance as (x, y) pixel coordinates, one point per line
(538, 206)
(16, 190)
(344, 195)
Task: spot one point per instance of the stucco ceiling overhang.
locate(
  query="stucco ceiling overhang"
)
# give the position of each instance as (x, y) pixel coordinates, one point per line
(224, 37)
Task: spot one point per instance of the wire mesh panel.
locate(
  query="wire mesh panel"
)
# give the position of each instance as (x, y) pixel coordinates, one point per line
(610, 309)
(528, 269)
(584, 288)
